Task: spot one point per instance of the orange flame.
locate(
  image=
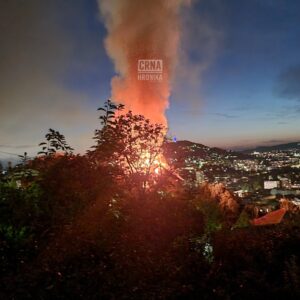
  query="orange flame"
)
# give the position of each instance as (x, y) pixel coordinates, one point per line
(155, 167)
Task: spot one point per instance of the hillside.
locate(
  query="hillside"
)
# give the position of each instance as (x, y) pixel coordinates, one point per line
(185, 149)
(280, 147)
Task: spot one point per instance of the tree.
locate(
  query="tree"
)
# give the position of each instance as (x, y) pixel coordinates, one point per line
(227, 203)
(55, 141)
(24, 159)
(130, 142)
(109, 110)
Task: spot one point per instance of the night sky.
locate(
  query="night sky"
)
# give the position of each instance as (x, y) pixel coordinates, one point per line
(237, 83)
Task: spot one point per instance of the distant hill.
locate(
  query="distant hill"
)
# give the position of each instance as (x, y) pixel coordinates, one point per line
(182, 150)
(288, 146)
(188, 148)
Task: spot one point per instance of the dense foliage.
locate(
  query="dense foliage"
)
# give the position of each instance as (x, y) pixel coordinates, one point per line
(85, 226)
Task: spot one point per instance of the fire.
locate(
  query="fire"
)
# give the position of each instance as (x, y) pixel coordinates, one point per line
(148, 165)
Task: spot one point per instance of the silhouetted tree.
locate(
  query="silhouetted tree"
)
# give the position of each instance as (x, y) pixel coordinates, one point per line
(55, 141)
(130, 142)
(109, 110)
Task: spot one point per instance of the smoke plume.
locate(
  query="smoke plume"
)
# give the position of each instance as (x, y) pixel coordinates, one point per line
(142, 30)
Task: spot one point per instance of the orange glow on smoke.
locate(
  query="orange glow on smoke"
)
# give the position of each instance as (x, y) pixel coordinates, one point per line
(140, 30)
(148, 98)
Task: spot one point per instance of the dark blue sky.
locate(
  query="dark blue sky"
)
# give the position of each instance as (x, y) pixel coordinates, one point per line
(240, 86)
(240, 92)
